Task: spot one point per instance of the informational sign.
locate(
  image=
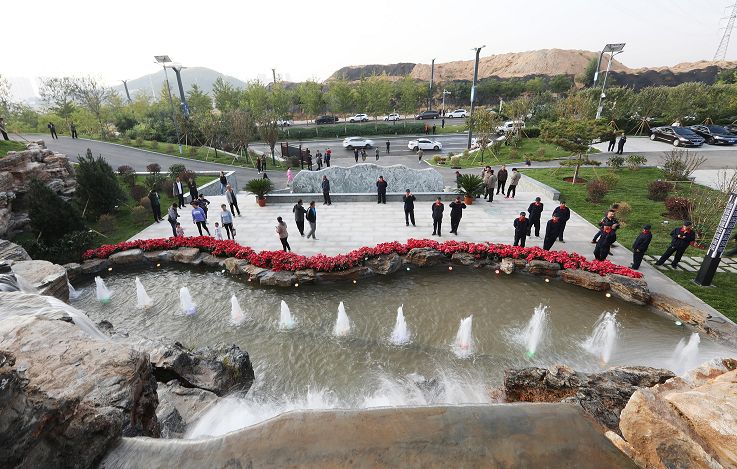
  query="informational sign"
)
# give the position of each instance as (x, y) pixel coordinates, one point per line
(724, 230)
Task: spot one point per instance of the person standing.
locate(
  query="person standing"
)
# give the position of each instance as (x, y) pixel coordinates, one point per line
(485, 175)
(604, 243)
(3, 131)
(52, 129)
(355, 154)
(198, 218)
(204, 204)
(552, 232)
(319, 160)
(290, 177)
(281, 231)
(612, 141)
(409, 207)
(442, 123)
(155, 200)
(456, 213)
(218, 232)
(299, 216)
(459, 176)
(521, 229)
(73, 130)
(388, 144)
(309, 161)
(192, 185)
(172, 218)
(535, 210)
(328, 156)
(434, 128)
(490, 184)
(223, 182)
(501, 179)
(437, 216)
(178, 191)
(312, 219)
(564, 214)
(620, 144)
(363, 154)
(232, 200)
(419, 155)
(326, 191)
(226, 218)
(681, 238)
(381, 186)
(639, 247)
(258, 165)
(608, 219)
(377, 153)
(513, 181)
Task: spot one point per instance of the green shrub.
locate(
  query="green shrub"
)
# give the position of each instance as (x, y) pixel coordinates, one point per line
(435, 159)
(259, 187)
(145, 202)
(540, 153)
(350, 130)
(154, 144)
(659, 190)
(678, 207)
(193, 152)
(154, 168)
(470, 185)
(175, 170)
(125, 140)
(140, 215)
(615, 162)
(98, 188)
(635, 161)
(610, 179)
(624, 211)
(154, 182)
(455, 161)
(139, 141)
(531, 132)
(138, 191)
(596, 191)
(68, 248)
(107, 224)
(127, 174)
(51, 217)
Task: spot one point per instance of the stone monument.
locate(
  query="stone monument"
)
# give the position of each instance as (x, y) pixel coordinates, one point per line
(361, 178)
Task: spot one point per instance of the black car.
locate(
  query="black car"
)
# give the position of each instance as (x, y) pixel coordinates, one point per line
(326, 120)
(678, 136)
(732, 128)
(428, 115)
(715, 134)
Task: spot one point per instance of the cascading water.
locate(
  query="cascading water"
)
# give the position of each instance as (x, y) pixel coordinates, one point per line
(464, 343)
(286, 321)
(103, 293)
(604, 337)
(236, 313)
(185, 302)
(142, 299)
(342, 323)
(73, 292)
(686, 354)
(535, 331)
(400, 334)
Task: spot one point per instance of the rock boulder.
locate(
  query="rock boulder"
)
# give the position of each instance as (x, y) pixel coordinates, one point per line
(180, 406)
(584, 279)
(50, 279)
(12, 252)
(538, 267)
(507, 265)
(361, 178)
(236, 266)
(354, 273)
(630, 289)
(282, 278)
(425, 257)
(385, 264)
(186, 255)
(129, 257)
(94, 266)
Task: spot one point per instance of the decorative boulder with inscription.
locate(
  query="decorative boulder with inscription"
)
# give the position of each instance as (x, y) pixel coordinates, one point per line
(361, 178)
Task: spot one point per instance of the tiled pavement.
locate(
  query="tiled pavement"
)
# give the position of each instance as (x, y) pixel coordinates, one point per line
(691, 264)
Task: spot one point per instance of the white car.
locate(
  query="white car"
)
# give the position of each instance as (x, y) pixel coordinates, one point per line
(359, 118)
(284, 122)
(424, 144)
(392, 117)
(357, 142)
(457, 113)
(475, 141)
(510, 126)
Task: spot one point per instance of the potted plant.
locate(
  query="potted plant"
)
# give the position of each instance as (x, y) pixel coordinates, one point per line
(470, 186)
(260, 187)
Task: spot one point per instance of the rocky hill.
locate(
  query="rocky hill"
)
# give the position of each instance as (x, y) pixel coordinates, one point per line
(201, 76)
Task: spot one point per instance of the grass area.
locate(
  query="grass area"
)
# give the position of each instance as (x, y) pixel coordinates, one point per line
(529, 147)
(722, 295)
(10, 145)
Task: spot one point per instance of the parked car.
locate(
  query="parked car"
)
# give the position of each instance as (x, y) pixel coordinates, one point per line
(392, 117)
(475, 141)
(326, 120)
(424, 144)
(510, 126)
(715, 134)
(284, 122)
(678, 136)
(359, 118)
(357, 142)
(732, 128)
(428, 115)
(457, 113)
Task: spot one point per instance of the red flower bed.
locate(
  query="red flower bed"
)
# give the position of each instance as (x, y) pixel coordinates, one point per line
(280, 260)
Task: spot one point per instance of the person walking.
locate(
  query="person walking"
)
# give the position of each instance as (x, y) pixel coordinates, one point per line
(377, 153)
(437, 216)
(363, 154)
(459, 176)
(612, 141)
(535, 210)
(388, 144)
(223, 182)
(442, 123)
(178, 190)
(419, 155)
(552, 232)
(639, 247)
(456, 213)
(232, 200)
(355, 154)
(299, 216)
(326, 191)
(409, 207)
(204, 204)
(434, 128)
(604, 243)
(485, 175)
(501, 179)
(52, 129)
(155, 200)
(226, 218)
(513, 181)
(281, 231)
(681, 238)
(521, 229)
(3, 131)
(328, 156)
(319, 160)
(73, 130)
(490, 184)
(309, 162)
(620, 144)
(172, 218)
(381, 186)
(192, 185)
(290, 177)
(198, 218)
(609, 219)
(258, 164)
(564, 214)
(312, 219)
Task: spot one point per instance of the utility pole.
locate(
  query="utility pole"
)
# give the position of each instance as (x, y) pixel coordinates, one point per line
(127, 94)
(273, 73)
(473, 93)
(721, 52)
(444, 93)
(432, 76)
(163, 60)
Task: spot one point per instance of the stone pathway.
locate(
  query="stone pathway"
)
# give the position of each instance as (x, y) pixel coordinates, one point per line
(692, 264)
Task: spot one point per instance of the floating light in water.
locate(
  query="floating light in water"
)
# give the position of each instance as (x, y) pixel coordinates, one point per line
(608, 295)
(679, 323)
(296, 284)
(109, 269)
(547, 280)
(407, 269)
(222, 271)
(497, 271)
(355, 281)
(450, 267)
(158, 265)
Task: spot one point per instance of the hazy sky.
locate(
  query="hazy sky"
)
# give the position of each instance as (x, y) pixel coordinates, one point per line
(311, 39)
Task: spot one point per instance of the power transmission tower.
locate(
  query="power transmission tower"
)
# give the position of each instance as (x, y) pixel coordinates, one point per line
(721, 52)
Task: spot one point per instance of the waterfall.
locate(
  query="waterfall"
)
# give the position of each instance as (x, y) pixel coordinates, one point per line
(185, 302)
(535, 330)
(103, 294)
(73, 292)
(342, 323)
(286, 321)
(236, 313)
(463, 345)
(604, 337)
(400, 334)
(142, 298)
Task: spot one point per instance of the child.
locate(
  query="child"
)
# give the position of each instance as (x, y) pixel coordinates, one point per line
(180, 230)
(218, 232)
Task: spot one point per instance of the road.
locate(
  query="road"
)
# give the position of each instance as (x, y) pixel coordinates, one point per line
(717, 156)
(408, 118)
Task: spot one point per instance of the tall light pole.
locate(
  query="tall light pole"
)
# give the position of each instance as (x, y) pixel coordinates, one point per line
(163, 60)
(432, 78)
(273, 74)
(613, 50)
(473, 93)
(444, 93)
(127, 94)
(183, 100)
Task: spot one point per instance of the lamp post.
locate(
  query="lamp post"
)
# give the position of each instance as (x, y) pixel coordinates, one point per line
(163, 60)
(613, 50)
(444, 93)
(183, 100)
(473, 92)
(718, 243)
(432, 78)
(127, 94)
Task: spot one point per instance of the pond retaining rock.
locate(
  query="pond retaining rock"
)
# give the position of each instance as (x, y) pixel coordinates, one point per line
(507, 265)
(129, 257)
(73, 270)
(186, 255)
(630, 289)
(538, 267)
(235, 266)
(306, 276)
(280, 278)
(584, 279)
(425, 257)
(463, 258)
(180, 406)
(385, 264)
(94, 266)
(354, 273)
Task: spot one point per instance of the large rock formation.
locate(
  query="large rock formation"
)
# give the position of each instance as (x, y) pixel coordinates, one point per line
(18, 169)
(11, 252)
(48, 278)
(361, 178)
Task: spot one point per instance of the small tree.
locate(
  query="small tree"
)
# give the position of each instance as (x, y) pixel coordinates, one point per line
(98, 189)
(92, 95)
(58, 94)
(269, 131)
(484, 123)
(51, 217)
(576, 136)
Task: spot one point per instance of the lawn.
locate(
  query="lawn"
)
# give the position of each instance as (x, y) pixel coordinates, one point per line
(722, 295)
(529, 147)
(10, 145)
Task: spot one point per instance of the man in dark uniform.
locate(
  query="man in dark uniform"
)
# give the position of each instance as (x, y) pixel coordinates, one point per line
(381, 190)
(620, 143)
(388, 144)
(680, 239)
(535, 210)
(604, 243)
(564, 214)
(609, 219)
(52, 129)
(456, 213)
(355, 154)
(521, 228)
(437, 216)
(325, 184)
(299, 216)
(552, 231)
(639, 247)
(612, 141)
(409, 207)
(73, 130)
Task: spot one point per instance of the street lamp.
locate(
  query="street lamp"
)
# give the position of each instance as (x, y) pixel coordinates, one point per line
(613, 50)
(444, 93)
(163, 60)
(473, 92)
(127, 94)
(432, 77)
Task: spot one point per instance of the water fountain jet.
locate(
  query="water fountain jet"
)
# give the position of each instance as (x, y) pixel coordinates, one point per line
(143, 300)
(342, 323)
(400, 334)
(463, 345)
(604, 337)
(185, 302)
(686, 355)
(73, 292)
(286, 321)
(236, 313)
(103, 293)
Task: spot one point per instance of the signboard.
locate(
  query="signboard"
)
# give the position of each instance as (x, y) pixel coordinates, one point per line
(724, 230)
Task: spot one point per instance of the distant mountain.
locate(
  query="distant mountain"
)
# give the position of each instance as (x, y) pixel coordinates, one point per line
(201, 76)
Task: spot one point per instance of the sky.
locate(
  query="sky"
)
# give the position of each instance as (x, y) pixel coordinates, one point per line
(312, 39)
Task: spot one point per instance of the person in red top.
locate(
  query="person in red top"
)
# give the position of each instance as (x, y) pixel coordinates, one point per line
(521, 228)
(681, 238)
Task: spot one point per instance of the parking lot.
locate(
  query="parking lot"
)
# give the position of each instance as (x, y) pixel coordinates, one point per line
(717, 156)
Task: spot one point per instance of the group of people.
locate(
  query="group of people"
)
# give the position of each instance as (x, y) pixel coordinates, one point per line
(498, 182)
(199, 218)
(619, 144)
(320, 159)
(52, 130)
